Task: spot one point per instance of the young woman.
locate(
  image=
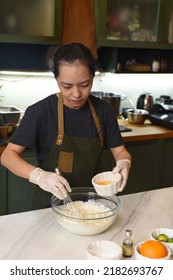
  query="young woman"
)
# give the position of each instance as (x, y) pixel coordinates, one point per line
(69, 130)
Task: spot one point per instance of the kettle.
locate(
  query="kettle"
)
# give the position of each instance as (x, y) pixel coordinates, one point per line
(145, 102)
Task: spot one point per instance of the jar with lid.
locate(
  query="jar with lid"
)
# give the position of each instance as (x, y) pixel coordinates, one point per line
(127, 245)
(156, 65)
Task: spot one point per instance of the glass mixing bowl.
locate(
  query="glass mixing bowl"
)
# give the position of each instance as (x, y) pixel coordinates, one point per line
(96, 213)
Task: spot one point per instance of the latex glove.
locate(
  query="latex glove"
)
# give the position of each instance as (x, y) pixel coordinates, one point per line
(50, 182)
(122, 167)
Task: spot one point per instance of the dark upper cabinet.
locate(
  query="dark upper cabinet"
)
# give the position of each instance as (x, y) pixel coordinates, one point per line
(32, 29)
(30, 21)
(134, 23)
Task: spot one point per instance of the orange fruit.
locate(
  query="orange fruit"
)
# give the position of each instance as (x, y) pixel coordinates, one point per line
(153, 249)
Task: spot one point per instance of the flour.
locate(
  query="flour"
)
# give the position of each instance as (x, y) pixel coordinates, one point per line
(93, 218)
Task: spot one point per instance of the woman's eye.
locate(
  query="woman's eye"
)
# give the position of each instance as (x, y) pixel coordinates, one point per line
(85, 85)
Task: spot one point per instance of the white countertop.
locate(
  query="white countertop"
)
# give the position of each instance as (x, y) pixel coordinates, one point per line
(36, 234)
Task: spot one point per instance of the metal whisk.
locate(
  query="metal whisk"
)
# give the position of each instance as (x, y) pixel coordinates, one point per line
(67, 200)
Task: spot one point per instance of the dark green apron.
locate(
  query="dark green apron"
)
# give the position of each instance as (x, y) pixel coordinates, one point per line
(78, 158)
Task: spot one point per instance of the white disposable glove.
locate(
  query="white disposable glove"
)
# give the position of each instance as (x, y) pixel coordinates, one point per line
(122, 167)
(50, 182)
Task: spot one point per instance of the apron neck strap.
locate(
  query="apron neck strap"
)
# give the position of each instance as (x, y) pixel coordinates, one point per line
(60, 135)
(96, 121)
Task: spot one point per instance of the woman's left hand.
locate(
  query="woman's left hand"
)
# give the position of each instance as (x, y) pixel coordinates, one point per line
(122, 167)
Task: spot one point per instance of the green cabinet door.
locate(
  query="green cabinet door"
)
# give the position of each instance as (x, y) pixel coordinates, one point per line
(152, 162)
(142, 173)
(167, 165)
(151, 168)
(33, 22)
(134, 24)
(19, 190)
(3, 190)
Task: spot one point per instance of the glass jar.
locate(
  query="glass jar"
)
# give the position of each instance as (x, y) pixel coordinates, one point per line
(127, 245)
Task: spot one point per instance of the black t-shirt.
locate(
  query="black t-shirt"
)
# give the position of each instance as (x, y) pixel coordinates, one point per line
(39, 125)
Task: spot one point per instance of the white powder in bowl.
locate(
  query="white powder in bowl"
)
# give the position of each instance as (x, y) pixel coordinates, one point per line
(94, 218)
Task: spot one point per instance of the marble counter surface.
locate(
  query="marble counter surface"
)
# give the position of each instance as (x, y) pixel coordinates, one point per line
(37, 235)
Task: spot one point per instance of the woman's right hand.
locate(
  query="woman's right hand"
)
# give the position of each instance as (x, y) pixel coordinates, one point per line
(50, 182)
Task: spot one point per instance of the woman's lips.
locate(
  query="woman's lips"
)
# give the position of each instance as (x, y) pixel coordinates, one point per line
(77, 101)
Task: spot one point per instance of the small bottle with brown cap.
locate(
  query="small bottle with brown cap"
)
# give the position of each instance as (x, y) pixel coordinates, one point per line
(127, 245)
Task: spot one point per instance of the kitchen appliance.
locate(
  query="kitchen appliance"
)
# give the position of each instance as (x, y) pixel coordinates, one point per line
(114, 99)
(145, 101)
(162, 112)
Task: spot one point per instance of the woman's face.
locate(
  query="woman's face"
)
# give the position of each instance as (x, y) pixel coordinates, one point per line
(75, 82)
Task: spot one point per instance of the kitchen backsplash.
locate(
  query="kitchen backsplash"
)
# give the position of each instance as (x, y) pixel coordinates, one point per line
(24, 89)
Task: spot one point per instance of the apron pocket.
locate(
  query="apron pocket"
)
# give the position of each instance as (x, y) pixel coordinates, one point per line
(66, 161)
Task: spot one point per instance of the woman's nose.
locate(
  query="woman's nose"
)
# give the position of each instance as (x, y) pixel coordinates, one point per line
(76, 92)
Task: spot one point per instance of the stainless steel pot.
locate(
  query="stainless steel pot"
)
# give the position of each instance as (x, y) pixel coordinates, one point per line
(114, 99)
(138, 116)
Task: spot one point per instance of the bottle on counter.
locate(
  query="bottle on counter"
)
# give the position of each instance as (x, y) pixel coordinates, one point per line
(127, 245)
(156, 65)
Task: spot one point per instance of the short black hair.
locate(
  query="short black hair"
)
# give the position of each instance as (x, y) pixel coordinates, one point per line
(71, 52)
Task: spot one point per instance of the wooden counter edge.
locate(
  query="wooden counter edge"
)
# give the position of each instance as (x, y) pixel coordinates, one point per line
(143, 132)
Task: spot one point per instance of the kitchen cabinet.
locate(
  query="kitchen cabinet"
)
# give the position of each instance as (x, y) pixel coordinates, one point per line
(31, 21)
(3, 190)
(28, 29)
(146, 172)
(132, 34)
(142, 173)
(129, 23)
(170, 22)
(71, 21)
(15, 192)
(151, 169)
(167, 163)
